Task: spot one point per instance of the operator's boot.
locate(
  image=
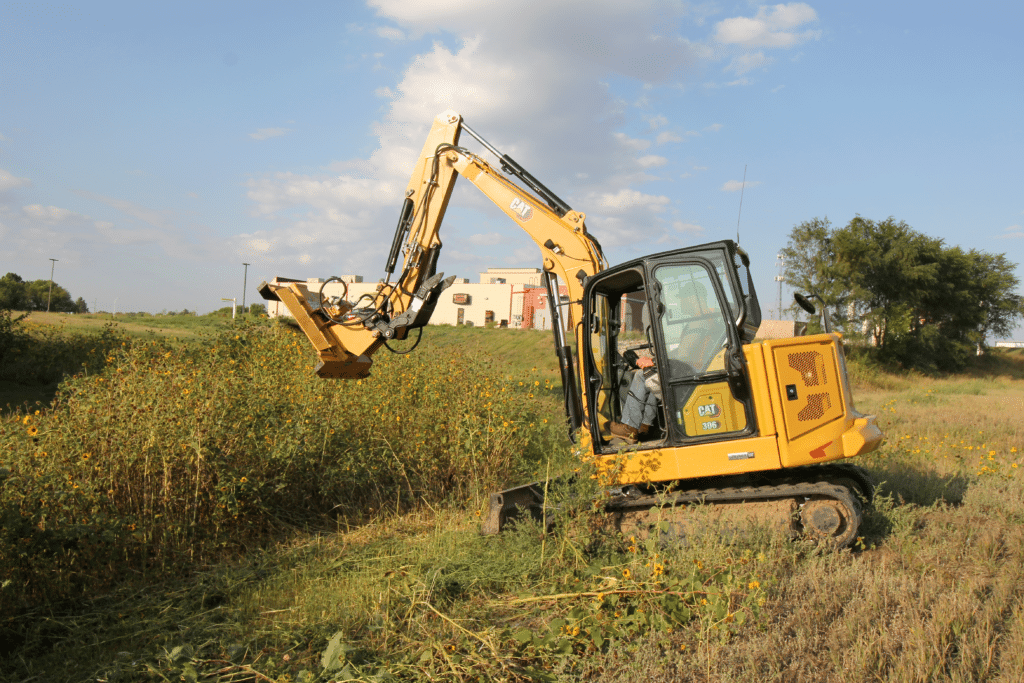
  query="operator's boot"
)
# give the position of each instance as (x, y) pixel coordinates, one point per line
(624, 431)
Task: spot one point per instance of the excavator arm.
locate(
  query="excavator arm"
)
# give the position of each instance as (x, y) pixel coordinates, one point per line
(347, 334)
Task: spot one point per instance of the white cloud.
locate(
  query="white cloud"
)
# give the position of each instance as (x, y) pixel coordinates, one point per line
(523, 255)
(687, 228)
(628, 199)
(461, 256)
(656, 122)
(260, 246)
(714, 127)
(651, 161)
(9, 182)
(632, 143)
(113, 235)
(741, 64)
(267, 133)
(35, 230)
(772, 27)
(550, 107)
(1012, 232)
(390, 33)
(486, 239)
(729, 84)
(162, 220)
(635, 40)
(336, 198)
(50, 215)
(737, 185)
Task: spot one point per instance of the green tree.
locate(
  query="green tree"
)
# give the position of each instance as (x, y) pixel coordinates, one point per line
(891, 270)
(810, 267)
(996, 284)
(921, 303)
(12, 292)
(37, 293)
(81, 306)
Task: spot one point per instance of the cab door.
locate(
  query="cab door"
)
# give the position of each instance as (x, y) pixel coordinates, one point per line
(685, 309)
(701, 366)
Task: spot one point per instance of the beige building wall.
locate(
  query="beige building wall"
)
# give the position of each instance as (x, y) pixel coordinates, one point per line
(481, 298)
(781, 329)
(498, 299)
(512, 276)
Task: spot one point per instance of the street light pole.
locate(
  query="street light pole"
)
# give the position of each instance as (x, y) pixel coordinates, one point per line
(48, 296)
(245, 275)
(780, 261)
(232, 306)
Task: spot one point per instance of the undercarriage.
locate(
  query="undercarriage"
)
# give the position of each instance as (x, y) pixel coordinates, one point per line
(821, 502)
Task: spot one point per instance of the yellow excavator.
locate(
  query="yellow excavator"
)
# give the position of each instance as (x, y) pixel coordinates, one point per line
(666, 388)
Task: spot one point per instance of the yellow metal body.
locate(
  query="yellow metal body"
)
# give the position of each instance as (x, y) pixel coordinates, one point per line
(819, 425)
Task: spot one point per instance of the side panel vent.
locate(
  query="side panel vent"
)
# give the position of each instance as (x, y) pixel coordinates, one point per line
(811, 369)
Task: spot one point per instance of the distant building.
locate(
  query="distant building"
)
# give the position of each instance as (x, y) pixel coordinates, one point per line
(512, 276)
(1010, 344)
(499, 298)
(781, 329)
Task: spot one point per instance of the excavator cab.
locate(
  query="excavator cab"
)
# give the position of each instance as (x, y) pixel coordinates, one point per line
(689, 313)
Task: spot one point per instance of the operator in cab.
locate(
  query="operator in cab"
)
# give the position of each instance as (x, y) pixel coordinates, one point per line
(690, 355)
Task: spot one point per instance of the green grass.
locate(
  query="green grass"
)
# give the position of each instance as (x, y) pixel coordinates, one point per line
(932, 591)
(135, 325)
(32, 378)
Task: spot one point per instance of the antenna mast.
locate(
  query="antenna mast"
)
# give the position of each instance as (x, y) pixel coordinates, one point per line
(742, 188)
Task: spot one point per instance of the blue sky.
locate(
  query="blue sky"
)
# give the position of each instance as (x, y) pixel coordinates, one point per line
(154, 147)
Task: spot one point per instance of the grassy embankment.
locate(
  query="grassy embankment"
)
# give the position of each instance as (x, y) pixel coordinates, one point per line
(400, 583)
(63, 342)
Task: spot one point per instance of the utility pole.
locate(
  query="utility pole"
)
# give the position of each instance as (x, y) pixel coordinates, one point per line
(54, 262)
(780, 261)
(232, 306)
(245, 275)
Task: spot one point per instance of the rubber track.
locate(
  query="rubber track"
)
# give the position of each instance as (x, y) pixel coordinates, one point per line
(790, 483)
(843, 483)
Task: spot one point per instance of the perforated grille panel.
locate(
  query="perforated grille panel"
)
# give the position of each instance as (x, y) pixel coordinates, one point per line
(811, 367)
(809, 383)
(816, 406)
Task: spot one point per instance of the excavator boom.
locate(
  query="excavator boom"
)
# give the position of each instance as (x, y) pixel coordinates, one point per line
(346, 336)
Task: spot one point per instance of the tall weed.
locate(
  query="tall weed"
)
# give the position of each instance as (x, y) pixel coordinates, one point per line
(173, 454)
